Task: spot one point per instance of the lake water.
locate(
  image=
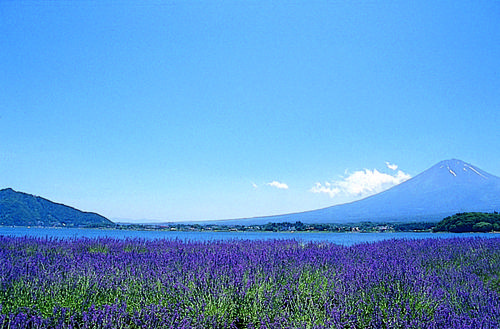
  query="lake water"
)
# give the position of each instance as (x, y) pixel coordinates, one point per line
(346, 239)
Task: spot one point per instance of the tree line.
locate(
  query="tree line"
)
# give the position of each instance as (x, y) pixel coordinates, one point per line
(470, 222)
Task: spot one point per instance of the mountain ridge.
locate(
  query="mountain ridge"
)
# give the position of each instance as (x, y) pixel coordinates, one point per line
(23, 209)
(448, 187)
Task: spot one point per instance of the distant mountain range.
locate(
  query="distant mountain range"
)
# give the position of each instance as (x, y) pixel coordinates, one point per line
(449, 187)
(22, 209)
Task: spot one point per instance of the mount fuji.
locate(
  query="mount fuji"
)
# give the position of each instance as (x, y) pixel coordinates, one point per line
(449, 187)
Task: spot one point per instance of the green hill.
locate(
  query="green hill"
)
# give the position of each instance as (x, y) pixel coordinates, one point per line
(469, 222)
(22, 209)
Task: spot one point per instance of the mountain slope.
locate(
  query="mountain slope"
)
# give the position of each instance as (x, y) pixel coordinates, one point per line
(22, 209)
(448, 187)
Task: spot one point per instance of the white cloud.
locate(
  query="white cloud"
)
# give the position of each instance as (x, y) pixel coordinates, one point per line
(391, 166)
(361, 183)
(327, 188)
(278, 185)
(254, 185)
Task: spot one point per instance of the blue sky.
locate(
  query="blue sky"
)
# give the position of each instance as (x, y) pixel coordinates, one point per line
(180, 110)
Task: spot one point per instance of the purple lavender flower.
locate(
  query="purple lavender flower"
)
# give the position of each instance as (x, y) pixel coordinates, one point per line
(108, 283)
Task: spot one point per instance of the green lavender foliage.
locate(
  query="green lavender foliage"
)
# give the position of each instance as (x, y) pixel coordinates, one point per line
(132, 283)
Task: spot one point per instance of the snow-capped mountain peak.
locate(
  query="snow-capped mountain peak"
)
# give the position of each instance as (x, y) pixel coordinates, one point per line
(460, 169)
(446, 188)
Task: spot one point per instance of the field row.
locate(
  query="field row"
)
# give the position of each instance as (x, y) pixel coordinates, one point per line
(131, 283)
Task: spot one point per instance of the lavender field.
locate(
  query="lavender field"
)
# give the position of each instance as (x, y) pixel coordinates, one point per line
(133, 283)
